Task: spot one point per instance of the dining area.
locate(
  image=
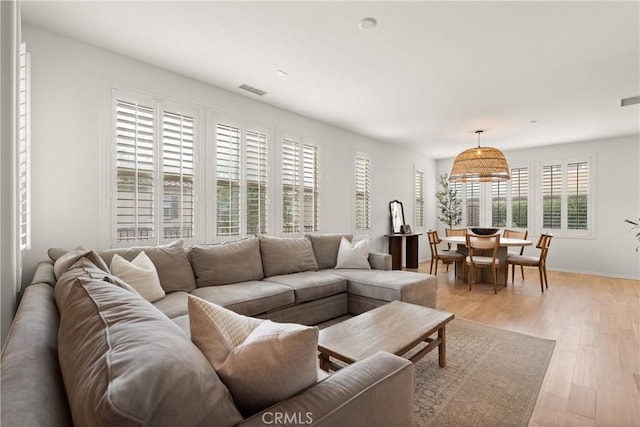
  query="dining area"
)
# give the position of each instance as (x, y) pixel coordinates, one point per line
(485, 255)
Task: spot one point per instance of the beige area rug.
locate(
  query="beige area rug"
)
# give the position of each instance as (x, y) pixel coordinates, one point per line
(492, 378)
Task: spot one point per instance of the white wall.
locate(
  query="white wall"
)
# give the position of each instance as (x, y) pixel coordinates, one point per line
(611, 250)
(68, 80)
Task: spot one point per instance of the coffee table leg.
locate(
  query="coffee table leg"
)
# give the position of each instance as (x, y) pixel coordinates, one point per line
(442, 350)
(324, 362)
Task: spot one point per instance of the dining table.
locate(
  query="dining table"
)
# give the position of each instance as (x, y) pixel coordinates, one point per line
(484, 274)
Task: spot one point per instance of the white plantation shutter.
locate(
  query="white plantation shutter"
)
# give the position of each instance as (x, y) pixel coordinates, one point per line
(24, 149)
(519, 197)
(552, 196)
(363, 192)
(499, 204)
(228, 180)
(310, 188)
(578, 196)
(177, 175)
(290, 186)
(256, 182)
(419, 190)
(473, 204)
(134, 204)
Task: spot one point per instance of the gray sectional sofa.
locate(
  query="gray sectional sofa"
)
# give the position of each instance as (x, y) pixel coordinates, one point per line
(282, 279)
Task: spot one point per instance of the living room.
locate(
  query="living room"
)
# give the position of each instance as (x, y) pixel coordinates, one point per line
(75, 76)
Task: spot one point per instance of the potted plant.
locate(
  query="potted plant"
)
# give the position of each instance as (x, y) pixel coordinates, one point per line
(449, 204)
(636, 226)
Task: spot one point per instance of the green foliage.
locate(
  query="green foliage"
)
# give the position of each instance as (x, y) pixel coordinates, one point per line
(636, 226)
(449, 204)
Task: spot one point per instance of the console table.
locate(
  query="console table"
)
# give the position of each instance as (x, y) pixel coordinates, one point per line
(411, 249)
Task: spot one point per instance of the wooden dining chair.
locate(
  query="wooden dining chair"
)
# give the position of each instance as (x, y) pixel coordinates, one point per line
(515, 234)
(446, 256)
(478, 247)
(532, 261)
(453, 232)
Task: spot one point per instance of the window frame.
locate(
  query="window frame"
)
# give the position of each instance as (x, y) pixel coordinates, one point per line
(158, 106)
(419, 212)
(564, 231)
(302, 141)
(367, 194)
(244, 127)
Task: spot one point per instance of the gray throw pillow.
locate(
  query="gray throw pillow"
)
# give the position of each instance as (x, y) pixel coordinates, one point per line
(123, 362)
(231, 262)
(325, 248)
(282, 255)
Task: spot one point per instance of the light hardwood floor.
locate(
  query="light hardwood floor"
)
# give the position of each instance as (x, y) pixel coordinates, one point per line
(594, 375)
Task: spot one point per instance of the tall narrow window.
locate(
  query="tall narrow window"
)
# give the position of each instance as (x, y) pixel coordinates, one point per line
(577, 196)
(552, 196)
(499, 204)
(419, 195)
(178, 196)
(310, 188)
(519, 197)
(473, 204)
(134, 207)
(363, 192)
(228, 180)
(300, 204)
(24, 149)
(290, 186)
(256, 182)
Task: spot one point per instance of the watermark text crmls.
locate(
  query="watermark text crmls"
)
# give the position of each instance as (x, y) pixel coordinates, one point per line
(287, 418)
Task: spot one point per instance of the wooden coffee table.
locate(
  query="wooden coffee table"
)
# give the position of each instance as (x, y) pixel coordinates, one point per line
(396, 327)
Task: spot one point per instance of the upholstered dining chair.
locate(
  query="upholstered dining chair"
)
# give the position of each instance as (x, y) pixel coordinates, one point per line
(479, 247)
(446, 256)
(453, 232)
(533, 261)
(515, 234)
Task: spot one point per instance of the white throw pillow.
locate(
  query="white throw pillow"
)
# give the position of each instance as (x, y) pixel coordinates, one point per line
(273, 362)
(140, 273)
(353, 255)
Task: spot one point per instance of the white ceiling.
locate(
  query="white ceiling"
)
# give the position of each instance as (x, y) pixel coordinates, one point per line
(426, 77)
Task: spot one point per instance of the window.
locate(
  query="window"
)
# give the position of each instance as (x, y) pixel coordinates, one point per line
(299, 182)
(552, 196)
(519, 197)
(363, 192)
(566, 197)
(499, 204)
(24, 148)
(241, 148)
(578, 196)
(154, 170)
(472, 200)
(419, 194)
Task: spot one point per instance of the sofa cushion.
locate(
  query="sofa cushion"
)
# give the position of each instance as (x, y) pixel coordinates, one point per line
(174, 269)
(231, 262)
(66, 261)
(389, 285)
(311, 285)
(124, 363)
(353, 255)
(173, 304)
(248, 298)
(140, 273)
(262, 362)
(284, 255)
(325, 248)
(82, 267)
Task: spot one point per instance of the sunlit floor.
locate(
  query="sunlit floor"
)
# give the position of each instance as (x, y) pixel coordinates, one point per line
(594, 374)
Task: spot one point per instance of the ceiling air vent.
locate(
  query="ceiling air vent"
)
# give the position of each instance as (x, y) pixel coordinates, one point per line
(625, 102)
(252, 90)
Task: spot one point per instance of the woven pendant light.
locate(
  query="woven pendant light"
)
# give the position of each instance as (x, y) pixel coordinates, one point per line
(481, 164)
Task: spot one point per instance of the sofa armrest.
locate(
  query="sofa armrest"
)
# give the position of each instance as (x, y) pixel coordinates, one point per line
(375, 391)
(33, 392)
(44, 274)
(380, 261)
